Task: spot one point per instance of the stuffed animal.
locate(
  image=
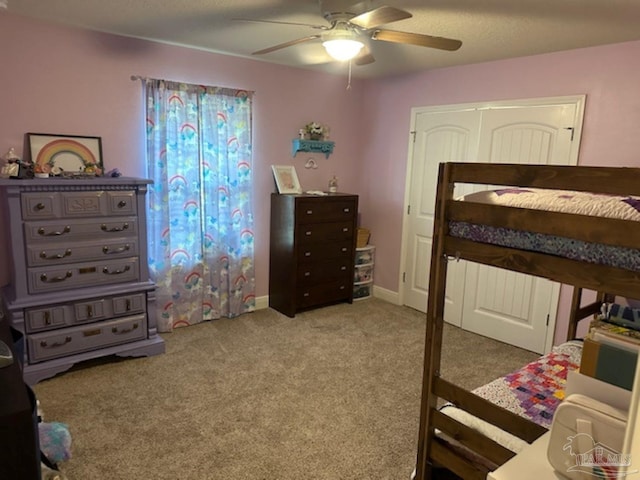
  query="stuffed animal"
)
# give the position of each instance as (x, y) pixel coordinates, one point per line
(55, 446)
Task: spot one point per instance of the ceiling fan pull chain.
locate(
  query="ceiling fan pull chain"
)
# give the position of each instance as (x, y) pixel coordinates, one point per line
(349, 82)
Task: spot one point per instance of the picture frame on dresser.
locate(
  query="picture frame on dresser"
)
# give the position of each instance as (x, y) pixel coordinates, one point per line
(65, 154)
(286, 179)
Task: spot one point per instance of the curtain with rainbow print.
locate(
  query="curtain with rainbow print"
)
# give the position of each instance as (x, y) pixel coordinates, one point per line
(200, 219)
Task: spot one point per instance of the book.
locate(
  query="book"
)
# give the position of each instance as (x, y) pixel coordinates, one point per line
(615, 340)
(618, 331)
(609, 363)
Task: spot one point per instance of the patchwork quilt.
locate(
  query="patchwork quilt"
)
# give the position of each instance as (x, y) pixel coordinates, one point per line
(533, 392)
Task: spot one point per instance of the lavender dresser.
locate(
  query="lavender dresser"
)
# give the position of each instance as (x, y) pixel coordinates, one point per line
(80, 286)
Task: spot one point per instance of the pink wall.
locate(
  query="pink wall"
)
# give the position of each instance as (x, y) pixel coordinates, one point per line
(608, 75)
(51, 75)
(67, 81)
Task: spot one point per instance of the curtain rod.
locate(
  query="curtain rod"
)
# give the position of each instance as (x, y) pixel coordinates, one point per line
(144, 79)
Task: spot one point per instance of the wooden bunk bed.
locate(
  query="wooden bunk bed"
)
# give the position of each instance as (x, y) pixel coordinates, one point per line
(435, 455)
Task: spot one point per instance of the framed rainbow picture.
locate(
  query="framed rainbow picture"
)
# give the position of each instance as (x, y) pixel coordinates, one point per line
(65, 154)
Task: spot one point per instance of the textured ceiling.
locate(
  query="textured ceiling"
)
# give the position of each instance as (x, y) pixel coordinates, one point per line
(489, 29)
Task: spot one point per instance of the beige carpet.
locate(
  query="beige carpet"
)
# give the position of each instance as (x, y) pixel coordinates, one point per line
(331, 394)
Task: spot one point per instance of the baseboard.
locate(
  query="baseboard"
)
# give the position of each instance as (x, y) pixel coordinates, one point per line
(386, 295)
(378, 292)
(262, 302)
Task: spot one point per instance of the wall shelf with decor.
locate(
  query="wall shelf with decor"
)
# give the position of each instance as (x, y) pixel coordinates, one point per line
(313, 146)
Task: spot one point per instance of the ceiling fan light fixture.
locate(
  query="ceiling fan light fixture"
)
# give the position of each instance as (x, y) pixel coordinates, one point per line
(342, 49)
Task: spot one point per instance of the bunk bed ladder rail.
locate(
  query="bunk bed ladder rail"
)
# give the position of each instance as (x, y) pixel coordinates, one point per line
(479, 444)
(435, 320)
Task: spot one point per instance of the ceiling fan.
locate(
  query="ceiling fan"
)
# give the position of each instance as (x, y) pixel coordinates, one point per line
(342, 38)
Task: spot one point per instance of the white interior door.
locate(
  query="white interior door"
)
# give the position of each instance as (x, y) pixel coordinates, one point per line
(505, 305)
(447, 137)
(508, 306)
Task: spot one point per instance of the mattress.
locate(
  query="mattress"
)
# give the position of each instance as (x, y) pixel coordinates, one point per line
(609, 206)
(532, 392)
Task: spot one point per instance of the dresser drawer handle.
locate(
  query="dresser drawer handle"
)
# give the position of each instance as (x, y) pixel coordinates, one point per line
(344, 249)
(305, 294)
(114, 229)
(343, 268)
(55, 233)
(347, 210)
(106, 270)
(309, 212)
(122, 204)
(126, 330)
(345, 229)
(307, 233)
(44, 256)
(307, 274)
(40, 206)
(307, 254)
(44, 278)
(47, 317)
(109, 251)
(342, 287)
(44, 343)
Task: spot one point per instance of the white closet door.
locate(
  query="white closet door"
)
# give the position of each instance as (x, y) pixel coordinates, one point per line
(439, 137)
(505, 305)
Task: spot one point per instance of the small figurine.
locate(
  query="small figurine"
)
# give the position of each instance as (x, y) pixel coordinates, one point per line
(41, 171)
(333, 184)
(11, 167)
(316, 131)
(11, 156)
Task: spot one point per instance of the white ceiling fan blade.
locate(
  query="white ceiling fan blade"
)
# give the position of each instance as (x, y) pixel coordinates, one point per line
(286, 44)
(379, 16)
(417, 39)
(253, 20)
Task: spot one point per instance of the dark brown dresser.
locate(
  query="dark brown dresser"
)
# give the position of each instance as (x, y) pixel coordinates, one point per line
(312, 250)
